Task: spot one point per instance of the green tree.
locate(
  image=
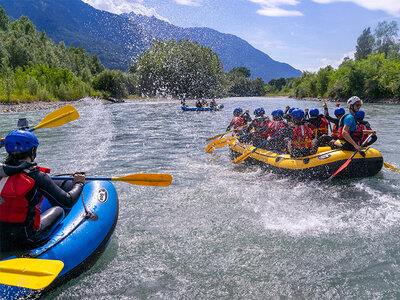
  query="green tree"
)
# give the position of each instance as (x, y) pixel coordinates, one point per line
(241, 71)
(365, 45)
(179, 69)
(4, 19)
(386, 38)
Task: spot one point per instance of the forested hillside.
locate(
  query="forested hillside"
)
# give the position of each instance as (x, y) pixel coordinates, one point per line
(34, 68)
(119, 39)
(374, 73)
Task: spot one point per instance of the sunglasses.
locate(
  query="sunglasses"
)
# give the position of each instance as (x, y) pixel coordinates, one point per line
(358, 105)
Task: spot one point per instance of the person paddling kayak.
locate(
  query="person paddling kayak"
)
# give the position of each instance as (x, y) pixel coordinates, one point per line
(21, 195)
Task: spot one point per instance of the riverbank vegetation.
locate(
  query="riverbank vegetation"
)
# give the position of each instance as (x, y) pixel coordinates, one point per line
(373, 74)
(34, 68)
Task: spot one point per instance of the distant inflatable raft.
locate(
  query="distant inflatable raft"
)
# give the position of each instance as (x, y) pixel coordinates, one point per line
(215, 108)
(319, 166)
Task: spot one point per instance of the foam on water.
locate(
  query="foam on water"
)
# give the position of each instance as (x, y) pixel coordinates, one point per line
(222, 230)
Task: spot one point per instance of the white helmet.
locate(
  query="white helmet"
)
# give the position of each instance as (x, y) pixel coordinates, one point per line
(353, 100)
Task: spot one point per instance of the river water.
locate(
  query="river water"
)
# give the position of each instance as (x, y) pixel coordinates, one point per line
(221, 230)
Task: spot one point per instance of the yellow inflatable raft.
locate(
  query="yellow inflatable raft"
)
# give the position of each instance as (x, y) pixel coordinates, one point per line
(318, 166)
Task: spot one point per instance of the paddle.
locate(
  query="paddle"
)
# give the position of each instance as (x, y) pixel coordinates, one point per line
(350, 158)
(29, 273)
(221, 134)
(222, 142)
(389, 166)
(138, 179)
(242, 157)
(56, 118)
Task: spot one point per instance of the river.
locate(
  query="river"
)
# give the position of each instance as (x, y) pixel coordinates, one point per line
(222, 230)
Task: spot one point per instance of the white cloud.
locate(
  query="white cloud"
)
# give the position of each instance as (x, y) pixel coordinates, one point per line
(271, 8)
(391, 7)
(323, 62)
(124, 6)
(189, 2)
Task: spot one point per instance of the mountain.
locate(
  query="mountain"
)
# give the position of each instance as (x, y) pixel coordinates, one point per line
(118, 39)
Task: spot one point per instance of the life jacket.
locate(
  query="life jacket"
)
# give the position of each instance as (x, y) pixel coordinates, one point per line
(237, 122)
(364, 127)
(302, 137)
(14, 206)
(319, 127)
(261, 123)
(274, 127)
(355, 135)
(334, 133)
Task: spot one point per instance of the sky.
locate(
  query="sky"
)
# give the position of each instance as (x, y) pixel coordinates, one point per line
(307, 34)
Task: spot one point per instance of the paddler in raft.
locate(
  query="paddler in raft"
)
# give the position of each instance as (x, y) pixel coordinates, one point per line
(365, 126)
(349, 132)
(213, 103)
(300, 141)
(198, 103)
(21, 193)
(277, 143)
(237, 121)
(260, 126)
(338, 112)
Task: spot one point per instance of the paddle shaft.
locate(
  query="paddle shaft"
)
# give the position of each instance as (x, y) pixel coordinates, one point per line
(244, 156)
(344, 166)
(221, 134)
(137, 179)
(87, 178)
(268, 140)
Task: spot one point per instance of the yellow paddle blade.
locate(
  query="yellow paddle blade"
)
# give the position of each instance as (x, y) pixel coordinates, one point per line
(210, 148)
(389, 166)
(146, 179)
(241, 158)
(29, 273)
(222, 142)
(59, 117)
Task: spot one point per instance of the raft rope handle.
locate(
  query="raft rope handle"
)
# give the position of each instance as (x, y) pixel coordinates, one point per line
(295, 158)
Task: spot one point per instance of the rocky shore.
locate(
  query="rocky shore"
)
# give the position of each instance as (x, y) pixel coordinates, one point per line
(41, 105)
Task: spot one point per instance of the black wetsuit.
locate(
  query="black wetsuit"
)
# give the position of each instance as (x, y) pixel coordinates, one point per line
(14, 236)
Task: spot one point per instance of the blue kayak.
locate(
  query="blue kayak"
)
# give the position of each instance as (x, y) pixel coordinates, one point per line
(215, 108)
(80, 238)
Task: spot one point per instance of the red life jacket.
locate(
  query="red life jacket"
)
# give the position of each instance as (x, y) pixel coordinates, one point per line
(237, 122)
(259, 124)
(334, 131)
(364, 136)
(322, 129)
(355, 135)
(274, 127)
(14, 206)
(302, 137)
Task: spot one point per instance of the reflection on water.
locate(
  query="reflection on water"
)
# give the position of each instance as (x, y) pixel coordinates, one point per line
(220, 230)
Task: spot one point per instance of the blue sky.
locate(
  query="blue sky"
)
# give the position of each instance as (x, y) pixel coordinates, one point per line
(307, 34)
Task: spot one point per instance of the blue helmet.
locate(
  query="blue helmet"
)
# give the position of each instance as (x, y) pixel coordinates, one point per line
(20, 140)
(314, 112)
(360, 115)
(291, 109)
(277, 113)
(237, 111)
(339, 111)
(298, 114)
(259, 111)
